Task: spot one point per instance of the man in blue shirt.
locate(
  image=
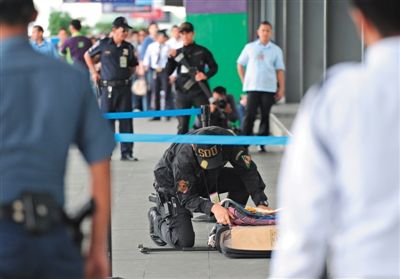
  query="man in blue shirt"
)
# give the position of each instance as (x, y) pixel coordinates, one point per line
(149, 39)
(40, 44)
(261, 69)
(46, 105)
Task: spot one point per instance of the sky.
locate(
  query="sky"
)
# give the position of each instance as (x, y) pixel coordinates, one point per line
(91, 12)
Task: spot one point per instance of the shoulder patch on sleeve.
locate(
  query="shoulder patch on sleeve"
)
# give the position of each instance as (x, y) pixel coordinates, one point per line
(96, 45)
(183, 186)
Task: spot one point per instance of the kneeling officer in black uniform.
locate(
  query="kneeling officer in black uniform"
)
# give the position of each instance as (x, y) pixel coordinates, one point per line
(185, 177)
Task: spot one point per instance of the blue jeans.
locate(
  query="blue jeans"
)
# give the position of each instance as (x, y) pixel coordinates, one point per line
(48, 256)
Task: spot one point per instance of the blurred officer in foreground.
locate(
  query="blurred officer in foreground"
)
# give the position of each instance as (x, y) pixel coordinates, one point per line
(187, 175)
(340, 180)
(118, 63)
(46, 106)
(188, 91)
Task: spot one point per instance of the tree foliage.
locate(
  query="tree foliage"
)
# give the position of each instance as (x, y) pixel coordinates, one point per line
(103, 27)
(62, 19)
(57, 20)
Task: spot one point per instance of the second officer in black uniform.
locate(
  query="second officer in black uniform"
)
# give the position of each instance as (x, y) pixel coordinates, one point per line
(187, 175)
(190, 62)
(118, 62)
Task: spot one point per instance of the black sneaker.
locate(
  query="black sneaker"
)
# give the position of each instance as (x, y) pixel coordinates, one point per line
(152, 216)
(129, 158)
(205, 219)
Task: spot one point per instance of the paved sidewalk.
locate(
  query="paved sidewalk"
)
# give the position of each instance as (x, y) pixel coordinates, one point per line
(285, 113)
(132, 183)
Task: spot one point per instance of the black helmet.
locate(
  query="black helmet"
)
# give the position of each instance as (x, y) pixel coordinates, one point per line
(209, 156)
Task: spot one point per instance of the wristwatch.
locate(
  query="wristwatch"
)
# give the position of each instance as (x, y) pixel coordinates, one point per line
(263, 203)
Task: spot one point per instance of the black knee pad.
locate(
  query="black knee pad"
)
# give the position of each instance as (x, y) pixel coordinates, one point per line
(186, 241)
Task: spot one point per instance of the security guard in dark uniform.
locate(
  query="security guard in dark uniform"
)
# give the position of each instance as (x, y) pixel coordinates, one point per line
(118, 62)
(185, 177)
(46, 106)
(190, 62)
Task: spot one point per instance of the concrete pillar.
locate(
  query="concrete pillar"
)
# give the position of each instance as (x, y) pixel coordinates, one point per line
(294, 51)
(315, 44)
(343, 42)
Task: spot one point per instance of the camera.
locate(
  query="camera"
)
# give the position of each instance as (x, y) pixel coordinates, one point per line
(221, 103)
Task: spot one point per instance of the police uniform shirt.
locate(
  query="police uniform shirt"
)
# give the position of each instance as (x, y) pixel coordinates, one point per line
(261, 62)
(46, 105)
(180, 174)
(340, 181)
(198, 57)
(116, 61)
(156, 56)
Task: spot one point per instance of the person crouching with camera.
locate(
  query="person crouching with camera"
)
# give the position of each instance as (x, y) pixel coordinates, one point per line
(222, 108)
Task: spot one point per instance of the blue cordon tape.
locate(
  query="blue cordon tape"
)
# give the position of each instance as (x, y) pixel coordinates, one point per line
(155, 113)
(203, 139)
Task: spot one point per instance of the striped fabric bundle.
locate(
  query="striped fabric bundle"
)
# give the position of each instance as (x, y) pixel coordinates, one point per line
(249, 216)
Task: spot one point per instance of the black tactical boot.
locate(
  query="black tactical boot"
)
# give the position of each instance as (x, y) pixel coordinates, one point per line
(152, 215)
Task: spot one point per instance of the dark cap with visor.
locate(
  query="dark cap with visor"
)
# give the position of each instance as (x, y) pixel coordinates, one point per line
(121, 22)
(186, 27)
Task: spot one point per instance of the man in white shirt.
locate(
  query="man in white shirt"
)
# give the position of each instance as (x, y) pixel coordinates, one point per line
(339, 184)
(175, 41)
(261, 69)
(155, 58)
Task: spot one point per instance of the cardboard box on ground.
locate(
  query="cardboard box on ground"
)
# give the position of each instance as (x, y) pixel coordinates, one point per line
(252, 238)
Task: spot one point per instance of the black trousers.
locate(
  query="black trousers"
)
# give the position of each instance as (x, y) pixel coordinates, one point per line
(256, 99)
(186, 100)
(120, 101)
(161, 83)
(149, 81)
(177, 230)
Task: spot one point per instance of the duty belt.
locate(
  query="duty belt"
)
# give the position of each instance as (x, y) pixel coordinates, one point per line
(114, 83)
(37, 211)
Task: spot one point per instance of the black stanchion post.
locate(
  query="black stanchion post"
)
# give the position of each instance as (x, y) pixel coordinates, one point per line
(205, 115)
